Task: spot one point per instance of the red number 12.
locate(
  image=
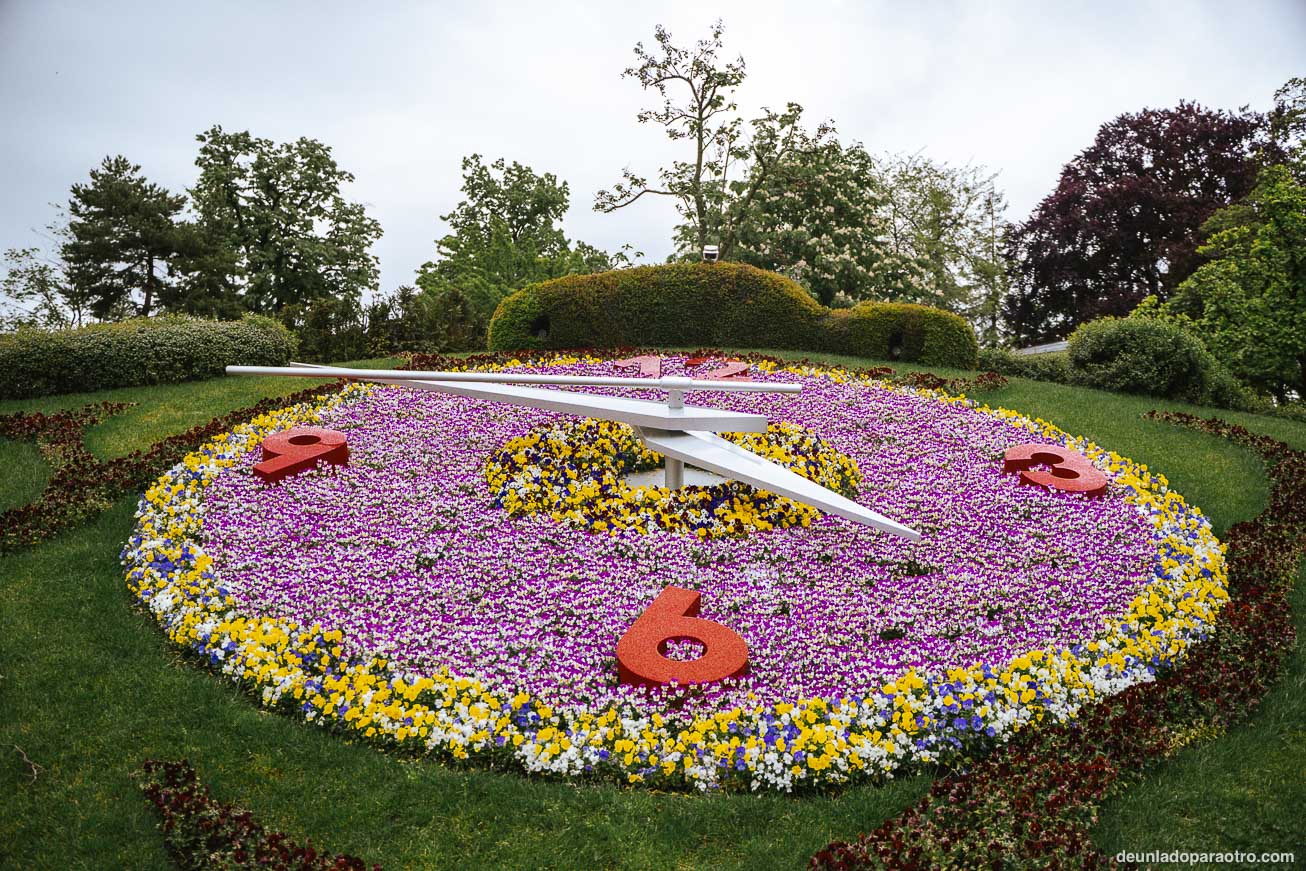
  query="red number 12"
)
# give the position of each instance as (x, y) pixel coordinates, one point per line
(732, 369)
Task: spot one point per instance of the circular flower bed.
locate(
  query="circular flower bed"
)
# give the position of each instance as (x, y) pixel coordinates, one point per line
(397, 599)
(574, 471)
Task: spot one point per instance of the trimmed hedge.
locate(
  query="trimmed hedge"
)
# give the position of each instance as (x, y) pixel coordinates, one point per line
(136, 352)
(722, 304)
(1151, 357)
(1053, 366)
(902, 331)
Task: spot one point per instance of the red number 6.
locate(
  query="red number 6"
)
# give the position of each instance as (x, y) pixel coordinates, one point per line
(1068, 471)
(295, 450)
(641, 652)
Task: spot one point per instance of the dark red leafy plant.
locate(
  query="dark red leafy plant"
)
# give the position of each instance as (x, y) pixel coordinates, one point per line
(1125, 218)
(201, 833)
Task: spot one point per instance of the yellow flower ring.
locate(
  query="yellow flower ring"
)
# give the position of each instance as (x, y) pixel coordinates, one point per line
(574, 471)
(306, 669)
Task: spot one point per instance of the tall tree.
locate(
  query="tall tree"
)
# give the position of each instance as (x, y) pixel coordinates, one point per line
(1288, 124)
(279, 209)
(950, 221)
(1124, 220)
(40, 294)
(527, 207)
(1248, 303)
(205, 274)
(505, 234)
(697, 93)
(991, 272)
(121, 236)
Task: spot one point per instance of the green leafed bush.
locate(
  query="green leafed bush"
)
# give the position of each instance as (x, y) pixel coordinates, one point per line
(902, 331)
(1052, 366)
(1151, 357)
(136, 352)
(723, 304)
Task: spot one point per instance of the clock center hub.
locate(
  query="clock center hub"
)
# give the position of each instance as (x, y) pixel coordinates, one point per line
(655, 477)
(600, 476)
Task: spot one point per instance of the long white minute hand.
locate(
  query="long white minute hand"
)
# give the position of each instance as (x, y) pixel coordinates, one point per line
(682, 432)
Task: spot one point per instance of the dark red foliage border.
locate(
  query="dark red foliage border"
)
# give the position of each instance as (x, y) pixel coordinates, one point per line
(80, 485)
(1034, 802)
(202, 833)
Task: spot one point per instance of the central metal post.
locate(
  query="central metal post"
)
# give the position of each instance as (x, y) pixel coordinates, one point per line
(675, 478)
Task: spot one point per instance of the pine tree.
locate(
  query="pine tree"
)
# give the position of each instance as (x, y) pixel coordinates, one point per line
(121, 236)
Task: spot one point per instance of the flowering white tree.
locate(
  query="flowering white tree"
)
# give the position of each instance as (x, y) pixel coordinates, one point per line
(818, 214)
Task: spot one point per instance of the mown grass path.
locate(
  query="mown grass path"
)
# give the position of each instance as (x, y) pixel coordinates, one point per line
(89, 688)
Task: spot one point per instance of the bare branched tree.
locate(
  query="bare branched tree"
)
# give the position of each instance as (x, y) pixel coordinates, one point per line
(698, 106)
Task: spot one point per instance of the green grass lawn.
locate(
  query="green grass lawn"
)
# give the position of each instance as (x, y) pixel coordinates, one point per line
(25, 473)
(1243, 791)
(89, 688)
(166, 409)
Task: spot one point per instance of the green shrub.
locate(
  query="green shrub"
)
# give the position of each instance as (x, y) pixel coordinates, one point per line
(1152, 357)
(1288, 410)
(423, 322)
(1052, 366)
(327, 329)
(135, 352)
(723, 304)
(901, 331)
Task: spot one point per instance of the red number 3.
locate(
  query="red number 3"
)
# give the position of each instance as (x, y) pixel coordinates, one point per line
(295, 450)
(1067, 470)
(641, 652)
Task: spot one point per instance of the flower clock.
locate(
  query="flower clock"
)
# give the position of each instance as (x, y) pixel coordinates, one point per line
(515, 586)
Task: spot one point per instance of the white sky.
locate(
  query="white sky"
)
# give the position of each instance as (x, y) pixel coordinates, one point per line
(401, 91)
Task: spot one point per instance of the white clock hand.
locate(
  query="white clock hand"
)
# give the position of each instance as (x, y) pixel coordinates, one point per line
(683, 433)
(637, 412)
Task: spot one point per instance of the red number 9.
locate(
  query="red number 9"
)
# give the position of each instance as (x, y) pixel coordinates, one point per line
(295, 450)
(1068, 470)
(641, 652)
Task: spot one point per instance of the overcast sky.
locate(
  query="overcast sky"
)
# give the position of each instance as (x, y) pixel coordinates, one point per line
(401, 91)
